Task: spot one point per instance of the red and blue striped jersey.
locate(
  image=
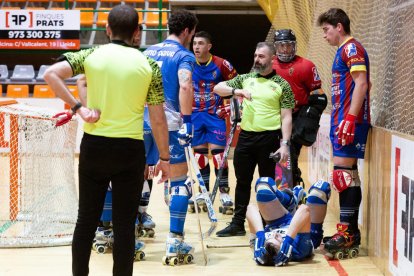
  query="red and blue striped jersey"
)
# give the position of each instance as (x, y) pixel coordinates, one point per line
(350, 57)
(205, 77)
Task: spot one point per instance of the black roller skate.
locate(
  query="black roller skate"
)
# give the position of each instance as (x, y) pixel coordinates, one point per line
(343, 243)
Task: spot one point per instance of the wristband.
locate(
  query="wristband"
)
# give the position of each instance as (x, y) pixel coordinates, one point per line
(233, 91)
(165, 159)
(76, 107)
(187, 119)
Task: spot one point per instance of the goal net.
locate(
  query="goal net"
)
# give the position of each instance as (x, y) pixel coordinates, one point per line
(38, 199)
(385, 30)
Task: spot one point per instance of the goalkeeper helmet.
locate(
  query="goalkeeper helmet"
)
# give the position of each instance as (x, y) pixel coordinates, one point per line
(285, 45)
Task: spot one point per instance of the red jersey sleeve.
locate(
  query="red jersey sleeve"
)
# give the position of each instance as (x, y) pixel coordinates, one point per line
(227, 70)
(312, 80)
(353, 54)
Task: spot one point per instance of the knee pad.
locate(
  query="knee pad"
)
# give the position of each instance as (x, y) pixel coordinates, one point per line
(319, 193)
(218, 157)
(265, 189)
(182, 187)
(343, 178)
(201, 156)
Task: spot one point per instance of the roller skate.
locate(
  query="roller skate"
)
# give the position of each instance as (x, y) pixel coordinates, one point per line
(201, 204)
(145, 227)
(139, 255)
(343, 243)
(104, 238)
(226, 207)
(177, 251)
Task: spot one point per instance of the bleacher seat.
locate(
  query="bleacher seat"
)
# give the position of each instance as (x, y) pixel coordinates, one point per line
(23, 73)
(140, 15)
(102, 17)
(41, 72)
(152, 19)
(86, 17)
(43, 91)
(17, 91)
(4, 72)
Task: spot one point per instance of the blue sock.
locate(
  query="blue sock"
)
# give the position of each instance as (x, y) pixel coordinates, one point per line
(178, 206)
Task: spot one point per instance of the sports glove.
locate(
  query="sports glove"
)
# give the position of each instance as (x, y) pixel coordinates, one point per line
(223, 111)
(300, 194)
(259, 249)
(185, 134)
(63, 118)
(346, 130)
(285, 253)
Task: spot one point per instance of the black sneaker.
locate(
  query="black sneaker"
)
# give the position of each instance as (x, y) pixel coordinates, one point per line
(232, 229)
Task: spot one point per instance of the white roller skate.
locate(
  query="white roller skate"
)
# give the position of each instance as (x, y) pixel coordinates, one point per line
(201, 203)
(139, 254)
(177, 251)
(145, 225)
(226, 207)
(104, 238)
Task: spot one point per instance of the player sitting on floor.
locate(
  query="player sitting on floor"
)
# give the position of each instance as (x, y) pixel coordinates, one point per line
(285, 237)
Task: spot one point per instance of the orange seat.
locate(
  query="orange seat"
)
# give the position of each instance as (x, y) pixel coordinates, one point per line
(140, 15)
(74, 90)
(102, 17)
(10, 8)
(43, 91)
(17, 91)
(86, 17)
(152, 19)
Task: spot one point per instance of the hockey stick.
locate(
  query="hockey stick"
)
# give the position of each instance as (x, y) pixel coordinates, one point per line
(236, 111)
(209, 204)
(227, 245)
(190, 173)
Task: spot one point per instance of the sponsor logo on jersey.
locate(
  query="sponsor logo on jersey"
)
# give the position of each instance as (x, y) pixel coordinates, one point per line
(315, 74)
(214, 74)
(291, 69)
(350, 50)
(336, 106)
(228, 65)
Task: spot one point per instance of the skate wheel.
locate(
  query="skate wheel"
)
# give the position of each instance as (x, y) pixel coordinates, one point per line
(151, 233)
(339, 255)
(173, 261)
(165, 260)
(143, 233)
(188, 259)
(94, 245)
(221, 209)
(205, 209)
(139, 256)
(353, 253)
(100, 249)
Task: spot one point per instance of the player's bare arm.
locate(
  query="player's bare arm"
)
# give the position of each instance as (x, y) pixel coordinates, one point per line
(223, 90)
(82, 89)
(361, 86)
(160, 132)
(186, 91)
(55, 76)
(286, 115)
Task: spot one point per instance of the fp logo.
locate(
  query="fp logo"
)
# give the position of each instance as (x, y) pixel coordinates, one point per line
(19, 19)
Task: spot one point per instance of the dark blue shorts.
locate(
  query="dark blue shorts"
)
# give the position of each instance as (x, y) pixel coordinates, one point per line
(151, 150)
(302, 247)
(354, 150)
(208, 128)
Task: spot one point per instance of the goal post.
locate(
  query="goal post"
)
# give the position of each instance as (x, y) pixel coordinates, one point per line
(38, 199)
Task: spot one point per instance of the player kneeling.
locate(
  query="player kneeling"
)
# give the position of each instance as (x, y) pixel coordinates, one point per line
(285, 237)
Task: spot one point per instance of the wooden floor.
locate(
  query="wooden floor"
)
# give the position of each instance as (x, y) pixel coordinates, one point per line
(235, 261)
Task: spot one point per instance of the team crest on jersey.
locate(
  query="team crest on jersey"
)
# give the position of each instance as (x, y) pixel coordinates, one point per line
(214, 74)
(350, 50)
(315, 74)
(228, 65)
(291, 69)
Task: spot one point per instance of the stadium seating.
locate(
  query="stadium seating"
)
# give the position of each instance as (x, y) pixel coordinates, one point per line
(102, 17)
(23, 73)
(42, 69)
(152, 19)
(43, 91)
(17, 91)
(86, 17)
(4, 72)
